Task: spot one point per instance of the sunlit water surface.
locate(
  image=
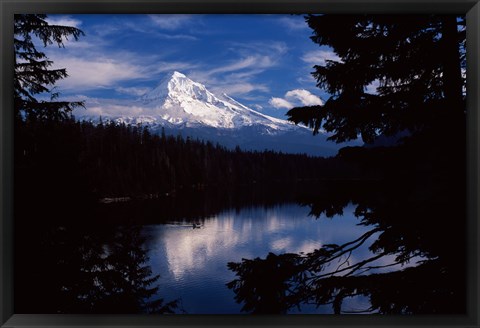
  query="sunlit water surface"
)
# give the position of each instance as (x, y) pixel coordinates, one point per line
(192, 262)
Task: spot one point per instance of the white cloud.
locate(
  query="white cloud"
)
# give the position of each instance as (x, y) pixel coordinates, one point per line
(155, 26)
(232, 84)
(78, 45)
(95, 107)
(295, 98)
(255, 61)
(293, 23)
(153, 30)
(305, 97)
(171, 22)
(105, 30)
(244, 75)
(99, 69)
(155, 67)
(280, 48)
(270, 48)
(319, 57)
(107, 110)
(280, 103)
(307, 79)
(176, 36)
(236, 77)
(240, 88)
(134, 91)
(63, 21)
(90, 73)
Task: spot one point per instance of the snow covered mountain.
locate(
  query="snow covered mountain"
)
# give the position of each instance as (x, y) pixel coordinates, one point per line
(182, 106)
(180, 102)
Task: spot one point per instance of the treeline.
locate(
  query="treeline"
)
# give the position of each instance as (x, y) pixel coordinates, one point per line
(81, 159)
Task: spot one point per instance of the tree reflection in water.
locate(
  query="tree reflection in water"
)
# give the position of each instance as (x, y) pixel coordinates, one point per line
(89, 270)
(416, 263)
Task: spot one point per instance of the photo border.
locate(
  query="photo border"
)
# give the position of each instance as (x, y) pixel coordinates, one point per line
(9, 7)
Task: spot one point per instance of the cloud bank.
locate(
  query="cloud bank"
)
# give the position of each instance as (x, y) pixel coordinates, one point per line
(320, 57)
(296, 97)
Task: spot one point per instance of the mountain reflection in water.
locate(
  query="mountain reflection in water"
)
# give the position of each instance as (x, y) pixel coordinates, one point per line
(249, 254)
(192, 262)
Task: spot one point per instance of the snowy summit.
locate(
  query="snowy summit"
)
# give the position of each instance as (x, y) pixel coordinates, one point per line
(180, 106)
(179, 101)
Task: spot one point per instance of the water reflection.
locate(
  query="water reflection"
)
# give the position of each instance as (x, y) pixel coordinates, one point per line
(415, 235)
(257, 255)
(193, 262)
(76, 269)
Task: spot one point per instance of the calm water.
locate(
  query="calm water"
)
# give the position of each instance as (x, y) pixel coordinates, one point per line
(103, 265)
(192, 262)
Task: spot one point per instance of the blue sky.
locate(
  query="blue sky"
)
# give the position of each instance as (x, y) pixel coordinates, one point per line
(263, 61)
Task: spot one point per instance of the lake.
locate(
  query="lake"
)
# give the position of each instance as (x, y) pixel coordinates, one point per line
(192, 262)
(137, 256)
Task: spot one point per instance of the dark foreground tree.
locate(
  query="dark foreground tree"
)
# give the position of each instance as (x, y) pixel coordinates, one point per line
(82, 268)
(415, 61)
(33, 72)
(415, 212)
(45, 162)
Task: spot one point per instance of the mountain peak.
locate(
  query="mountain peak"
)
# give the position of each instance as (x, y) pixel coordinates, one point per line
(177, 88)
(180, 104)
(177, 74)
(171, 82)
(179, 100)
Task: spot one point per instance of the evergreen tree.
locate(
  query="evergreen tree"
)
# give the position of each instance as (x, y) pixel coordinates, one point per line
(416, 61)
(33, 72)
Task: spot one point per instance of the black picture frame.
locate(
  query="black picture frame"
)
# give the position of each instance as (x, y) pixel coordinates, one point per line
(9, 7)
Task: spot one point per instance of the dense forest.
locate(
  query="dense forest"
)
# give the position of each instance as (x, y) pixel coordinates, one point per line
(115, 160)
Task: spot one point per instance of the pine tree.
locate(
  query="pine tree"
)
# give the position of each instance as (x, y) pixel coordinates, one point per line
(33, 72)
(416, 60)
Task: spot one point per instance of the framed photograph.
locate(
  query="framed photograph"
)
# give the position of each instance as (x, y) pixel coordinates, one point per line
(234, 164)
